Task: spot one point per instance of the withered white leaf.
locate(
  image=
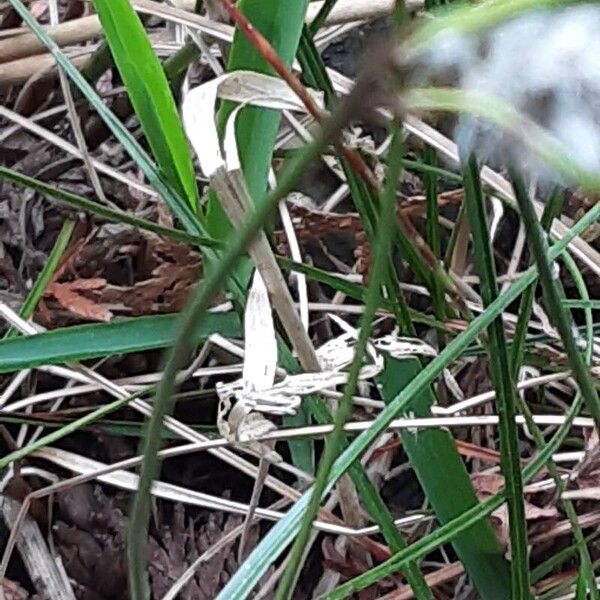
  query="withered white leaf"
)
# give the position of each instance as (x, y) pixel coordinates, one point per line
(246, 87)
(260, 357)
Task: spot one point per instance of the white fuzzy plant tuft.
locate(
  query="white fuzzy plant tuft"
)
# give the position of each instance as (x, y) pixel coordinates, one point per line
(543, 63)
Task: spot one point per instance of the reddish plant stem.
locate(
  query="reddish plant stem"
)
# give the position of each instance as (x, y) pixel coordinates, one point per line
(354, 159)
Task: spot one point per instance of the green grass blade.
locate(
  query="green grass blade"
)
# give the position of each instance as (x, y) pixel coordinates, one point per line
(150, 95)
(510, 459)
(321, 16)
(551, 210)
(559, 557)
(589, 304)
(433, 237)
(45, 276)
(553, 295)
(256, 128)
(72, 427)
(119, 216)
(82, 342)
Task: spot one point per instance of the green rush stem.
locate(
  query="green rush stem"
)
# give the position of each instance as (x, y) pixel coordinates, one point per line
(503, 382)
(334, 440)
(559, 316)
(322, 15)
(551, 210)
(137, 538)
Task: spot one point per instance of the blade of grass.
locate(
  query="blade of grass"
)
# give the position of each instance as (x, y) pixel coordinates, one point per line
(256, 128)
(150, 95)
(90, 206)
(510, 458)
(553, 295)
(446, 482)
(83, 342)
(551, 211)
(45, 276)
(433, 237)
(70, 428)
(321, 17)
(559, 557)
(591, 304)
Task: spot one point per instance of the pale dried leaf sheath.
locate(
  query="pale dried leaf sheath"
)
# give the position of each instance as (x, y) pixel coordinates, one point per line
(260, 358)
(246, 87)
(230, 187)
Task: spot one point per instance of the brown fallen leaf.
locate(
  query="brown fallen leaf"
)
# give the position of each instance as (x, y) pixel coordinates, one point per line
(69, 296)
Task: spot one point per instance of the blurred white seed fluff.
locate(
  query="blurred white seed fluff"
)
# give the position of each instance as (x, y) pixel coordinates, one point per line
(544, 64)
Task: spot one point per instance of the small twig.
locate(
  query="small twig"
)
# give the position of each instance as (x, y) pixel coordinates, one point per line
(76, 123)
(263, 469)
(45, 571)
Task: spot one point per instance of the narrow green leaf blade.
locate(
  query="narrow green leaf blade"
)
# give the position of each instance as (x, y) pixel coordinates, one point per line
(83, 342)
(446, 483)
(171, 195)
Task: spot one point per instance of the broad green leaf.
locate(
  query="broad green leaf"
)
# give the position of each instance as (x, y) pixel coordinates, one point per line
(446, 483)
(83, 342)
(150, 95)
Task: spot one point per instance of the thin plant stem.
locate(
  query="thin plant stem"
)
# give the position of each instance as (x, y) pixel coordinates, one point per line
(503, 382)
(335, 439)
